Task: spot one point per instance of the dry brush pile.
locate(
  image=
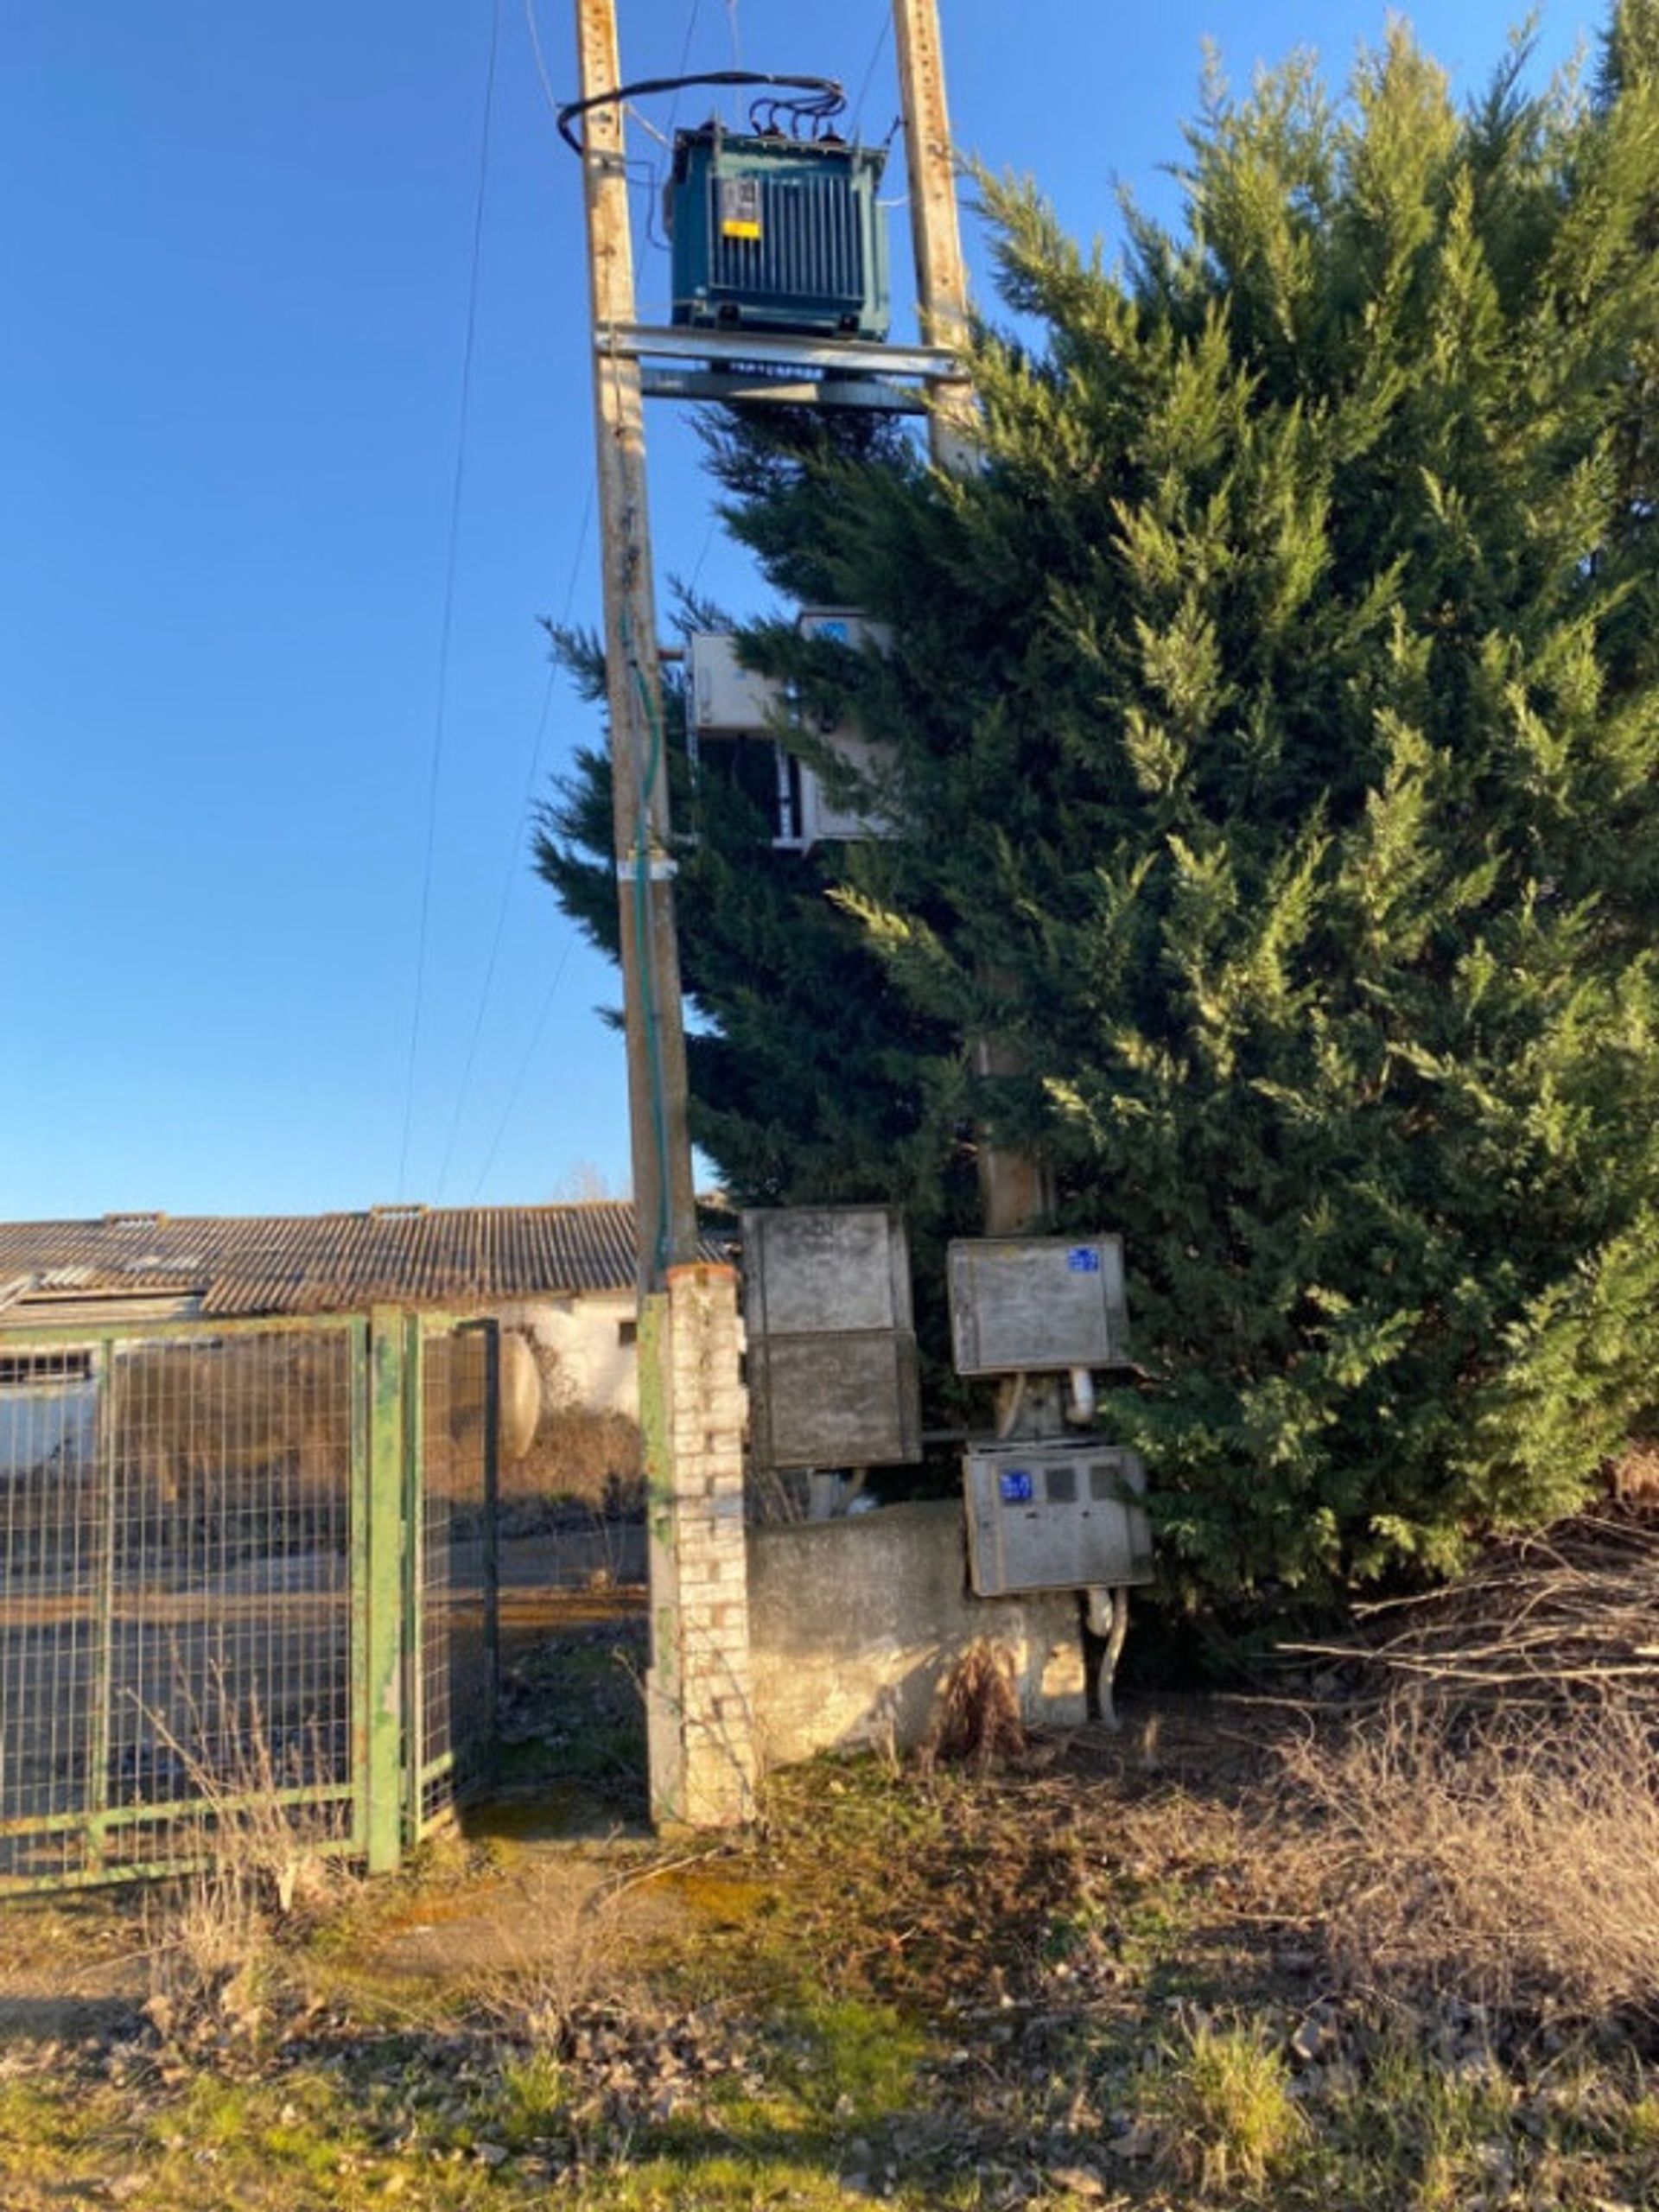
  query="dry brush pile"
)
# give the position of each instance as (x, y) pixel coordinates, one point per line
(1481, 1823)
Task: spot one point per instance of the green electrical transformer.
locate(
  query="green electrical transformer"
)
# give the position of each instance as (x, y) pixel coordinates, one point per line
(776, 234)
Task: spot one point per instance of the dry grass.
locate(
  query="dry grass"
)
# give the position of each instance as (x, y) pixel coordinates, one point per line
(1512, 1866)
(575, 1965)
(579, 1458)
(976, 1721)
(208, 1957)
(275, 1875)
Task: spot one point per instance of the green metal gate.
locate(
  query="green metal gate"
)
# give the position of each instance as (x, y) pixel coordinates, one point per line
(241, 1564)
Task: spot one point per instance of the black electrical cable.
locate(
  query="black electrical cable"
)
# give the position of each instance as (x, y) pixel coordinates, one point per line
(831, 99)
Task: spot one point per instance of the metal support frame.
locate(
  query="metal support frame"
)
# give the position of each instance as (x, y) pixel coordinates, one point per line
(411, 1764)
(117, 1581)
(770, 368)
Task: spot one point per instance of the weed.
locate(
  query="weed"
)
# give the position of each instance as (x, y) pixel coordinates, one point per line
(1222, 2105)
(536, 2095)
(273, 1871)
(852, 2061)
(977, 1720)
(208, 1946)
(1440, 2133)
(937, 1991)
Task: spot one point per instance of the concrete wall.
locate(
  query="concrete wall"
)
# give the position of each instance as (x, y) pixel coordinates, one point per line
(854, 1623)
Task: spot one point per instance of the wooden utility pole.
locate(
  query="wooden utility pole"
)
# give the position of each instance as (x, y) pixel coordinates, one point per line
(935, 226)
(1013, 1185)
(699, 1716)
(663, 1192)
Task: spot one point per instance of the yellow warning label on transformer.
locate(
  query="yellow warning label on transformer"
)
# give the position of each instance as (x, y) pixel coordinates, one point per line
(739, 207)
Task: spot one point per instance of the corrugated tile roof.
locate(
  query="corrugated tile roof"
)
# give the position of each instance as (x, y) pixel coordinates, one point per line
(328, 1263)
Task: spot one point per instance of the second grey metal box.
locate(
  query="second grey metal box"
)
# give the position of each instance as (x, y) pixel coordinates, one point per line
(1035, 1304)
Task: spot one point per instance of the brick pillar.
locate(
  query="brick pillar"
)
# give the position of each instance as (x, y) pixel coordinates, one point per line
(699, 1707)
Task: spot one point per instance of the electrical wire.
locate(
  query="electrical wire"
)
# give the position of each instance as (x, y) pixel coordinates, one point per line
(829, 99)
(654, 237)
(685, 56)
(707, 542)
(881, 38)
(519, 1079)
(495, 946)
(511, 874)
(548, 92)
(510, 879)
(650, 1015)
(447, 624)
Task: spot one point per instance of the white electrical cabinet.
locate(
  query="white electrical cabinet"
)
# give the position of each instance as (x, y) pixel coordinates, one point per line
(725, 699)
(1054, 1514)
(1037, 1305)
(824, 817)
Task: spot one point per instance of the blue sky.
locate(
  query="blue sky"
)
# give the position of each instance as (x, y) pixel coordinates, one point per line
(239, 519)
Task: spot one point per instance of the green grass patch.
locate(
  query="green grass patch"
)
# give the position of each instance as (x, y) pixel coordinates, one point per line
(1221, 2104)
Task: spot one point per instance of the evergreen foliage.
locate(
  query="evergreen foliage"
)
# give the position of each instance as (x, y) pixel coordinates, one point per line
(1274, 717)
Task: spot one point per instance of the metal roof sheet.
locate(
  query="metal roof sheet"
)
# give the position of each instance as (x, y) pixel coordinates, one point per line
(332, 1263)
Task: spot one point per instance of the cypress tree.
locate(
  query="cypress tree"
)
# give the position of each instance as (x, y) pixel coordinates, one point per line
(1273, 723)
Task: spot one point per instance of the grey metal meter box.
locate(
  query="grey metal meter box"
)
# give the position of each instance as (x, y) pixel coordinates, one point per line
(1031, 1304)
(847, 1401)
(1056, 1515)
(851, 820)
(833, 1374)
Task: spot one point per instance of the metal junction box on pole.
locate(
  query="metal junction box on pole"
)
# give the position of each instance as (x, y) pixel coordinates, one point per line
(1037, 1305)
(1056, 1515)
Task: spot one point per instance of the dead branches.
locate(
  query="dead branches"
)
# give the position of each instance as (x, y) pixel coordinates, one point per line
(1539, 1621)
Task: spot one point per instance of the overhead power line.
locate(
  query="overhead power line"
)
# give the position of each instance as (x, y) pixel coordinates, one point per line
(511, 877)
(447, 624)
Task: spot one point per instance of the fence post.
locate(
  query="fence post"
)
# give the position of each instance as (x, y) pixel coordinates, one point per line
(492, 1560)
(101, 1717)
(381, 1614)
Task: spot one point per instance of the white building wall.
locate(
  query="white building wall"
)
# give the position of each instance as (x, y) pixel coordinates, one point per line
(592, 1337)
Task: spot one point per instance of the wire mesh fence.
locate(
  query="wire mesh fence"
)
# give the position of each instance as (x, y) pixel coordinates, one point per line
(455, 1650)
(187, 1617)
